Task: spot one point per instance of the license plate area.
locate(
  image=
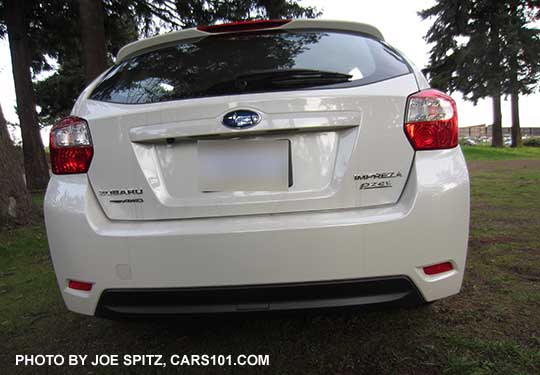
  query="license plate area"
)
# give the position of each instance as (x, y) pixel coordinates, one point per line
(244, 165)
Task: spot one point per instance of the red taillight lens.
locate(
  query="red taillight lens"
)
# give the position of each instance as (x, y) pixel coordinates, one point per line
(80, 285)
(70, 146)
(243, 26)
(431, 121)
(438, 268)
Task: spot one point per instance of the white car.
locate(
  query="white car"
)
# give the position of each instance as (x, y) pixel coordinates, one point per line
(256, 166)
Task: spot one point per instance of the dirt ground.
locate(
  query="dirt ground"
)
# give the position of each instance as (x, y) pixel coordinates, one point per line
(487, 166)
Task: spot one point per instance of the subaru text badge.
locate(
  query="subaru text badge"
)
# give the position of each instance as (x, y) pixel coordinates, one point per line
(241, 119)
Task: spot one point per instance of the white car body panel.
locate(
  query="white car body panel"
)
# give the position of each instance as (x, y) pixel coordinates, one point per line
(324, 228)
(428, 225)
(167, 174)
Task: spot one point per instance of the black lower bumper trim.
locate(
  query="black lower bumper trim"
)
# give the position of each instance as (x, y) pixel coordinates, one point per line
(398, 290)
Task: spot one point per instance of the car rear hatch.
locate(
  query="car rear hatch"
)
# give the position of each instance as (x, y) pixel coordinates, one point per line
(180, 132)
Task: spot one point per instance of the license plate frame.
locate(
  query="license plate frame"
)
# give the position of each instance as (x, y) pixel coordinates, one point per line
(231, 165)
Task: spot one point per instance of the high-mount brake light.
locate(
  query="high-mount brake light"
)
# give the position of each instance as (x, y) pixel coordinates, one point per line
(243, 26)
(70, 146)
(431, 121)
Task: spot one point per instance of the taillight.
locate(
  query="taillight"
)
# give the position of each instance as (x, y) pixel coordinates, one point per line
(70, 146)
(243, 26)
(431, 121)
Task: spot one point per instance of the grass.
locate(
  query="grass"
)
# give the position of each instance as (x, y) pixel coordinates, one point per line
(26, 279)
(478, 356)
(491, 327)
(506, 153)
(37, 198)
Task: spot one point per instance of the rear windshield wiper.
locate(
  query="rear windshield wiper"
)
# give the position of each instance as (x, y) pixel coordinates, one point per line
(291, 77)
(261, 80)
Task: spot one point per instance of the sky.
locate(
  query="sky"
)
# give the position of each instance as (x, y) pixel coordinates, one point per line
(401, 27)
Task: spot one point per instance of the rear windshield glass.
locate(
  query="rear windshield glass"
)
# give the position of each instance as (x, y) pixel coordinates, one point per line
(215, 65)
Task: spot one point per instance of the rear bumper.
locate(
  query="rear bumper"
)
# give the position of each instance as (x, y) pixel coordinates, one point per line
(429, 225)
(294, 296)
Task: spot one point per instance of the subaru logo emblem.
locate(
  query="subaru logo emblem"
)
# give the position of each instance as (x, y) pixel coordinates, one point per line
(241, 119)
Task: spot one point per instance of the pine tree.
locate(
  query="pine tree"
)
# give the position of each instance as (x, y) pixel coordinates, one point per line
(522, 53)
(485, 48)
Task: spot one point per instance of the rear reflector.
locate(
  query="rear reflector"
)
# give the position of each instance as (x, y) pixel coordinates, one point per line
(243, 26)
(79, 285)
(431, 121)
(70, 146)
(438, 268)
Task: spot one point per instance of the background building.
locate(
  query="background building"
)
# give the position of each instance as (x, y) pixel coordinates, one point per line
(477, 131)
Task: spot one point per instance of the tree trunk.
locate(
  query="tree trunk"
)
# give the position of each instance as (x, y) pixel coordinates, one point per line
(514, 101)
(5, 139)
(497, 136)
(15, 201)
(91, 19)
(516, 129)
(35, 164)
(275, 9)
(495, 81)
